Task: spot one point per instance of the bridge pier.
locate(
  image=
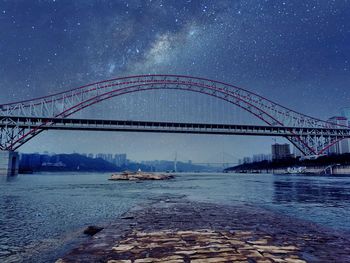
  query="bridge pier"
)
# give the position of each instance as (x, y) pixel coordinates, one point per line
(9, 162)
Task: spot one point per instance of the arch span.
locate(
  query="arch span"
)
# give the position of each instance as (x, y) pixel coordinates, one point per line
(64, 104)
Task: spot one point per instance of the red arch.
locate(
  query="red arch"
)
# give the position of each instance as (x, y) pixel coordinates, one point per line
(285, 110)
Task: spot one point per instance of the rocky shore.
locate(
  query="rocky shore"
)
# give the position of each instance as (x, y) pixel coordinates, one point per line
(176, 230)
(134, 176)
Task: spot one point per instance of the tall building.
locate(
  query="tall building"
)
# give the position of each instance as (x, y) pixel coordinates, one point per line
(345, 112)
(280, 151)
(342, 146)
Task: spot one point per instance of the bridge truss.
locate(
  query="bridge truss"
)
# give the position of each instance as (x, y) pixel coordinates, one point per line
(318, 138)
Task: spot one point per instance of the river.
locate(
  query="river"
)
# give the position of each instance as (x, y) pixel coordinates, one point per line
(43, 215)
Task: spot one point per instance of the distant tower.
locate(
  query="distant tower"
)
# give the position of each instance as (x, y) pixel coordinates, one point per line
(224, 164)
(175, 163)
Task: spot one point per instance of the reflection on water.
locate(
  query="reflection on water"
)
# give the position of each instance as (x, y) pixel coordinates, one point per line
(329, 192)
(321, 199)
(40, 213)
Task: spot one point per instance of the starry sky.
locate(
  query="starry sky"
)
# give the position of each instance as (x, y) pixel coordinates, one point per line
(296, 53)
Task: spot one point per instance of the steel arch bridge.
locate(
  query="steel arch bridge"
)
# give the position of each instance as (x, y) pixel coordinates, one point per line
(62, 105)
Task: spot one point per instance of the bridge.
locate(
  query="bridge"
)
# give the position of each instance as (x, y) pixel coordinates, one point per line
(21, 121)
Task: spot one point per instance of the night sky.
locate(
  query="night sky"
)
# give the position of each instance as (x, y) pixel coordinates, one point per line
(294, 52)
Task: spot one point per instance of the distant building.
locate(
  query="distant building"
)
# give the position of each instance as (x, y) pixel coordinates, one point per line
(256, 158)
(109, 157)
(247, 160)
(342, 146)
(102, 156)
(261, 157)
(117, 159)
(280, 151)
(120, 159)
(345, 112)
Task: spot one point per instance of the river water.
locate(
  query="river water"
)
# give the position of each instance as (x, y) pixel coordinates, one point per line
(43, 215)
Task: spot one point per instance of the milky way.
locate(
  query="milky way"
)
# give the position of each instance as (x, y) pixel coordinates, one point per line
(295, 52)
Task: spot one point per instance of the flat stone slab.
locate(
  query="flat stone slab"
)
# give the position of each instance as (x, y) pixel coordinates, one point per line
(204, 245)
(182, 231)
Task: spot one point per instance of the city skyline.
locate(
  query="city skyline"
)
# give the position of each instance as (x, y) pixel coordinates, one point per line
(296, 54)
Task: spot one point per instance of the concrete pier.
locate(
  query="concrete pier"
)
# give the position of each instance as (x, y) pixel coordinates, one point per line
(9, 162)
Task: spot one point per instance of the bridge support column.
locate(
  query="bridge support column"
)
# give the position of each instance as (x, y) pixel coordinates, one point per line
(9, 162)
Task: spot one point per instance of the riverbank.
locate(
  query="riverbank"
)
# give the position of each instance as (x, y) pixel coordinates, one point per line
(328, 164)
(307, 170)
(177, 230)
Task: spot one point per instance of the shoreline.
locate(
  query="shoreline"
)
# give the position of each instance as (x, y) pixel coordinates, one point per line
(326, 170)
(180, 230)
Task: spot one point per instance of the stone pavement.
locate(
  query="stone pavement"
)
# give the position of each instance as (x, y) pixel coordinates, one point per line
(177, 230)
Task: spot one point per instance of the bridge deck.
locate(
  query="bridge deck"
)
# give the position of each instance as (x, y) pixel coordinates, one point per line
(166, 127)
